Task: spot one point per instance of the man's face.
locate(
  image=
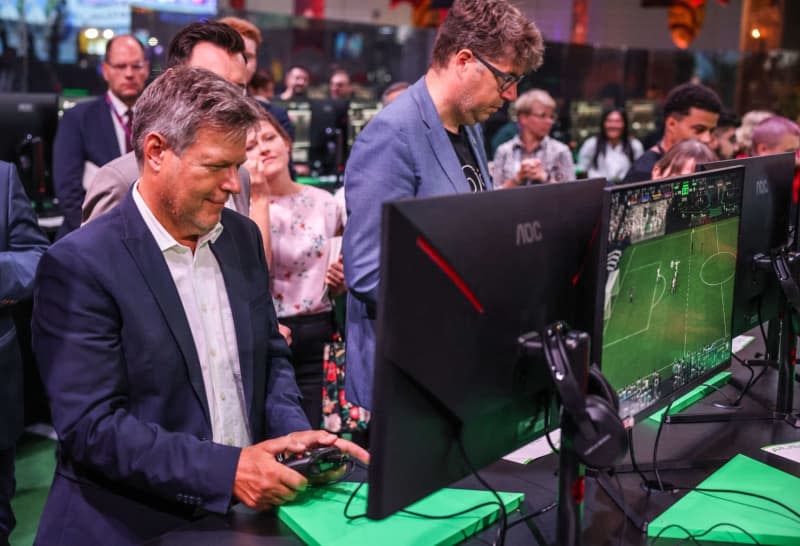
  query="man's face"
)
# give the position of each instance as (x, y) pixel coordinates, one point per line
(125, 69)
(215, 59)
(194, 187)
(697, 124)
(724, 143)
(340, 86)
(250, 57)
(297, 80)
(481, 90)
(538, 121)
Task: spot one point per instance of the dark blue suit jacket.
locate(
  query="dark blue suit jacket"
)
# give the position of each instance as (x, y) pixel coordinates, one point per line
(21, 246)
(120, 368)
(403, 152)
(85, 133)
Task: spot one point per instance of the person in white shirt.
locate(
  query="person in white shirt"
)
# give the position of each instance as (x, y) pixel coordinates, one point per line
(611, 153)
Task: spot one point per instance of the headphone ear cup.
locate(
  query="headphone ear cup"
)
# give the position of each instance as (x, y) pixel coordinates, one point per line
(598, 385)
(610, 442)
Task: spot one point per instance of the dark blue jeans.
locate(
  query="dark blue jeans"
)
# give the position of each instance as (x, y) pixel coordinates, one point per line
(7, 486)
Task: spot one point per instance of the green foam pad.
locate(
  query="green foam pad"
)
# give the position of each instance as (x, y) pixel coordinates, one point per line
(317, 517)
(767, 522)
(694, 395)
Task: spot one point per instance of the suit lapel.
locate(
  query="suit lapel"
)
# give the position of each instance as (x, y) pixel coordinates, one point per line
(474, 136)
(107, 135)
(227, 254)
(154, 270)
(438, 140)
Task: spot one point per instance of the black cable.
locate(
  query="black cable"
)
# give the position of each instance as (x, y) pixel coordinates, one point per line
(411, 513)
(502, 538)
(767, 356)
(526, 517)
(740, 492)
(546, 428)
(655, 445)
(693, 537)
(633, 457)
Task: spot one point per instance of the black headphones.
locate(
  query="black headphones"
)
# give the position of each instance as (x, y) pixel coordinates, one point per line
(601, 440)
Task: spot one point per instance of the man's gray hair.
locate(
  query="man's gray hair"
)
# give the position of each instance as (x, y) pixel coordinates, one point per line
(182, 101)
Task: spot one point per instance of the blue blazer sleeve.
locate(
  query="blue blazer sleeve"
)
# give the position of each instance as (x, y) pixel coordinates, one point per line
(22, 243)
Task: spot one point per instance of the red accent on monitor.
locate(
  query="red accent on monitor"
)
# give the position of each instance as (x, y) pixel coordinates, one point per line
(450, 272)
(579, 490)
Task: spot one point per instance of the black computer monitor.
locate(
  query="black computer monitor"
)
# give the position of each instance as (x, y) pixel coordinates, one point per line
(28, 127)
(668, 292)
(766, 225)
(462, 277)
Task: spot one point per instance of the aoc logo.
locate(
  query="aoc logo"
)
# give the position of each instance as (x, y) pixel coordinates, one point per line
(762, 187)
(529, 233)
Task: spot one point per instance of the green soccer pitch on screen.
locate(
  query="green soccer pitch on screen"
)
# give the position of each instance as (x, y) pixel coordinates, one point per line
(668, 295)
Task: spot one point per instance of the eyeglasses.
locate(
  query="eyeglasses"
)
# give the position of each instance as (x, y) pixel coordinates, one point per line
(504, 79)
(543, 116)
(136, 67)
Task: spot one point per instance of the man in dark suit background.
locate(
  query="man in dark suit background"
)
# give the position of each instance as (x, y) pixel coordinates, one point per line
(21, 246)
(157, 340)
(94, 132)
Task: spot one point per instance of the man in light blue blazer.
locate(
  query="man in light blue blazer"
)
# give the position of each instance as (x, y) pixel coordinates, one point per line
(428, 142)
(21, 246)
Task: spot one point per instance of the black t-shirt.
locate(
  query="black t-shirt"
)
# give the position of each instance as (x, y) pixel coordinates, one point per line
(642, 168)
(468, 163)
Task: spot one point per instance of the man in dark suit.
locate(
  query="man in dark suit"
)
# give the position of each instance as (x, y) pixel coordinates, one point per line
(428, 142)
(94, 132)
(210, 45)
(21, 246)
(158, 343)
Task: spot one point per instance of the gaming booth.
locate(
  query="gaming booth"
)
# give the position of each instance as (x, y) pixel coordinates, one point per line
(607, 313)
(604, 313)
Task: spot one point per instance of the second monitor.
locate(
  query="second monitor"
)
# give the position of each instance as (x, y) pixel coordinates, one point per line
(668, 294)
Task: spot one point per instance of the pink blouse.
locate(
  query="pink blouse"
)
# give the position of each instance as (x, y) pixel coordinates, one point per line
(301, 225)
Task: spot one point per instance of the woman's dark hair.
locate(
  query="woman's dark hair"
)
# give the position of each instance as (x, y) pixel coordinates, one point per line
(602, 139)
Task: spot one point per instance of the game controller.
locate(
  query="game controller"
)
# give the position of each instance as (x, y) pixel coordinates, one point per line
(315, 462)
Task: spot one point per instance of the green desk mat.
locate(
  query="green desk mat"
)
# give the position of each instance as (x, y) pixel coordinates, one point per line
(767, 522)
(318, 517)
(694, 395)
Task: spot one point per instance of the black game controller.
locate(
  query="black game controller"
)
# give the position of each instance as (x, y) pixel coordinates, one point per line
(315, 462)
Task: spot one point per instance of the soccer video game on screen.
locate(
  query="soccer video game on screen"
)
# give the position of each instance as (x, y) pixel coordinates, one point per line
(669, 290)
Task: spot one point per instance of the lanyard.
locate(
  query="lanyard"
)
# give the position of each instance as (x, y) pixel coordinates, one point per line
(125, 126)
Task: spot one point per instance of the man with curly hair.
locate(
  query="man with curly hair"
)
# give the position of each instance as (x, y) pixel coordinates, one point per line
(428, 142)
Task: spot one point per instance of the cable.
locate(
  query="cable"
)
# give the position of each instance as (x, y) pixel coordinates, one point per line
(532, 515)
(655, 445)
(633, 457)
(502, 538)
(693, 537)
(546, 429)
(739, 492)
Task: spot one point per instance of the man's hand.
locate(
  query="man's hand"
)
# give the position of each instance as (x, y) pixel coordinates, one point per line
(262, 482)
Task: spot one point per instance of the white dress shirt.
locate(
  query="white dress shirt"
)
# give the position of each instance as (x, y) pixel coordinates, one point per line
(201, 287)
(121, 109)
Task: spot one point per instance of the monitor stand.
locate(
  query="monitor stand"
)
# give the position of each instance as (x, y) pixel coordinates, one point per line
(781, 343)
(571, 479)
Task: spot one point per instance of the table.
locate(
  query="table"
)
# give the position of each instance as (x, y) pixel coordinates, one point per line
(604, 524)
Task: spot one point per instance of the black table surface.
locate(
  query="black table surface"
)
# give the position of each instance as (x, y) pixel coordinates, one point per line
(705, 446)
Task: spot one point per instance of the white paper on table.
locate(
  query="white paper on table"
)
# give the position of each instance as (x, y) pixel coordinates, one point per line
(740, 342)
(536, 449)
(789, 451)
